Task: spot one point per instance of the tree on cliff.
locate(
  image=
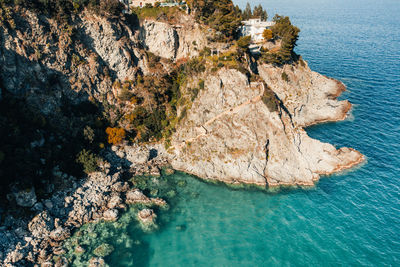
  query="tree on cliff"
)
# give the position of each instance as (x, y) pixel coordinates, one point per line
(267, 34)
(247, 13)
(257, 12)
(289, 34)
(63, 9)
(220, 15)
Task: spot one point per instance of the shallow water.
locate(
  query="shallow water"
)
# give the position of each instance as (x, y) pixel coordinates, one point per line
(347, 219)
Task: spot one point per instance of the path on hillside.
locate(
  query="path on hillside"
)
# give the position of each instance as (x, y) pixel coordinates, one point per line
(226, 112)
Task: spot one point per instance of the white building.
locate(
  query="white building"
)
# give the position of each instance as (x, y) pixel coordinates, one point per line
(139, 3)
(255, 28)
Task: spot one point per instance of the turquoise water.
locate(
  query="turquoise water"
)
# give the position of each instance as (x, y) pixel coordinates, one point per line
(347, 219)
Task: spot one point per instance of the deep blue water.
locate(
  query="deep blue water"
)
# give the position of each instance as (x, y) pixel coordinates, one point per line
(348, 219)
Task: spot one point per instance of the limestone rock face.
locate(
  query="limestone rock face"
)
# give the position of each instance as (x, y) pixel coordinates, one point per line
(160, 38)
(172, 41)
(309, 96)
(113, 43)
(234, 134)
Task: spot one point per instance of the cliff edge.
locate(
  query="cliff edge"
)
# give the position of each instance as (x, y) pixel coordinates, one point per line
(253, 132)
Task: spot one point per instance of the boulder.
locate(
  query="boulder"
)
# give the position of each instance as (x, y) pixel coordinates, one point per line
(114, 202)
(147, 218)
(136, 196)
(60, 234)
(97, 262)
(110, 215)
(26, 198)
(103, 250)
(41, 225)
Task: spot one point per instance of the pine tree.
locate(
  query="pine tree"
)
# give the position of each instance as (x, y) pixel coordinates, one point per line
(247, 12)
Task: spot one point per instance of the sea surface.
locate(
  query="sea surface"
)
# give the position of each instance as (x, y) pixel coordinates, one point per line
(349, 219)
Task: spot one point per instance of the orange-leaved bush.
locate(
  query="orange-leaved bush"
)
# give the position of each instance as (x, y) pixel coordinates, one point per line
(267, 34)
(115, 135)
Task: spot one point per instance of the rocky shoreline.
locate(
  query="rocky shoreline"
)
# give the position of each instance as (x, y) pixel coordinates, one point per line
(239, 131)
(101, 196)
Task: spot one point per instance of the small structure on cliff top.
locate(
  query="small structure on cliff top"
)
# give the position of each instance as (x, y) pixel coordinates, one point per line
(142, 3)
(255, 28)
(138, 3)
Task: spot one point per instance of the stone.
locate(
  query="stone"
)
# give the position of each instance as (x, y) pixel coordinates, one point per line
(79, 250)
(136, 196)
(114, 202)
(169, 171)
(26, 198)
(159, 202)
(20, 232)
(136, 155)
(41, 225)
(155, 171)
(48, 204)
(38, 207)
(60, 234)
(97, 262)
(110, 215)
(15, 256)
(147, 217)
(103, 250)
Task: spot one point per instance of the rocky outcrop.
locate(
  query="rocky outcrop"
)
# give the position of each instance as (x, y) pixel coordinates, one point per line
(147, 218)
(172, 41)
(308, 96)
(241, 132)
(160, 38)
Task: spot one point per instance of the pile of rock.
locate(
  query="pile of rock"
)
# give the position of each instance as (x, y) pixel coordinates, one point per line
(102, 196)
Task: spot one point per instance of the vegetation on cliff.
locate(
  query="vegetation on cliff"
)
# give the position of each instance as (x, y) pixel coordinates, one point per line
(288, 34)
(222, 16)
(257, 12)
(63, 9)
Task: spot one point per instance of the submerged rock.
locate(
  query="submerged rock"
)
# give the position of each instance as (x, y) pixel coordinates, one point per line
(110, 215)
(97, 262)
(103, 250)
(136, 196)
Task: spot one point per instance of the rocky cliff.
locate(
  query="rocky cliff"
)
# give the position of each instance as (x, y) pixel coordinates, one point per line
(242, 132)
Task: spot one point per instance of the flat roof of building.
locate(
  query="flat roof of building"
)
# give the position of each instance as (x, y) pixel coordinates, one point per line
(258, 23)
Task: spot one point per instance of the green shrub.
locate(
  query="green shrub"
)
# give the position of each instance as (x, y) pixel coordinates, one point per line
(270, 100)
(88, 160)
(221, 15)
(201, 84)
(285, 77)
(289, 34)
(244, 42)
